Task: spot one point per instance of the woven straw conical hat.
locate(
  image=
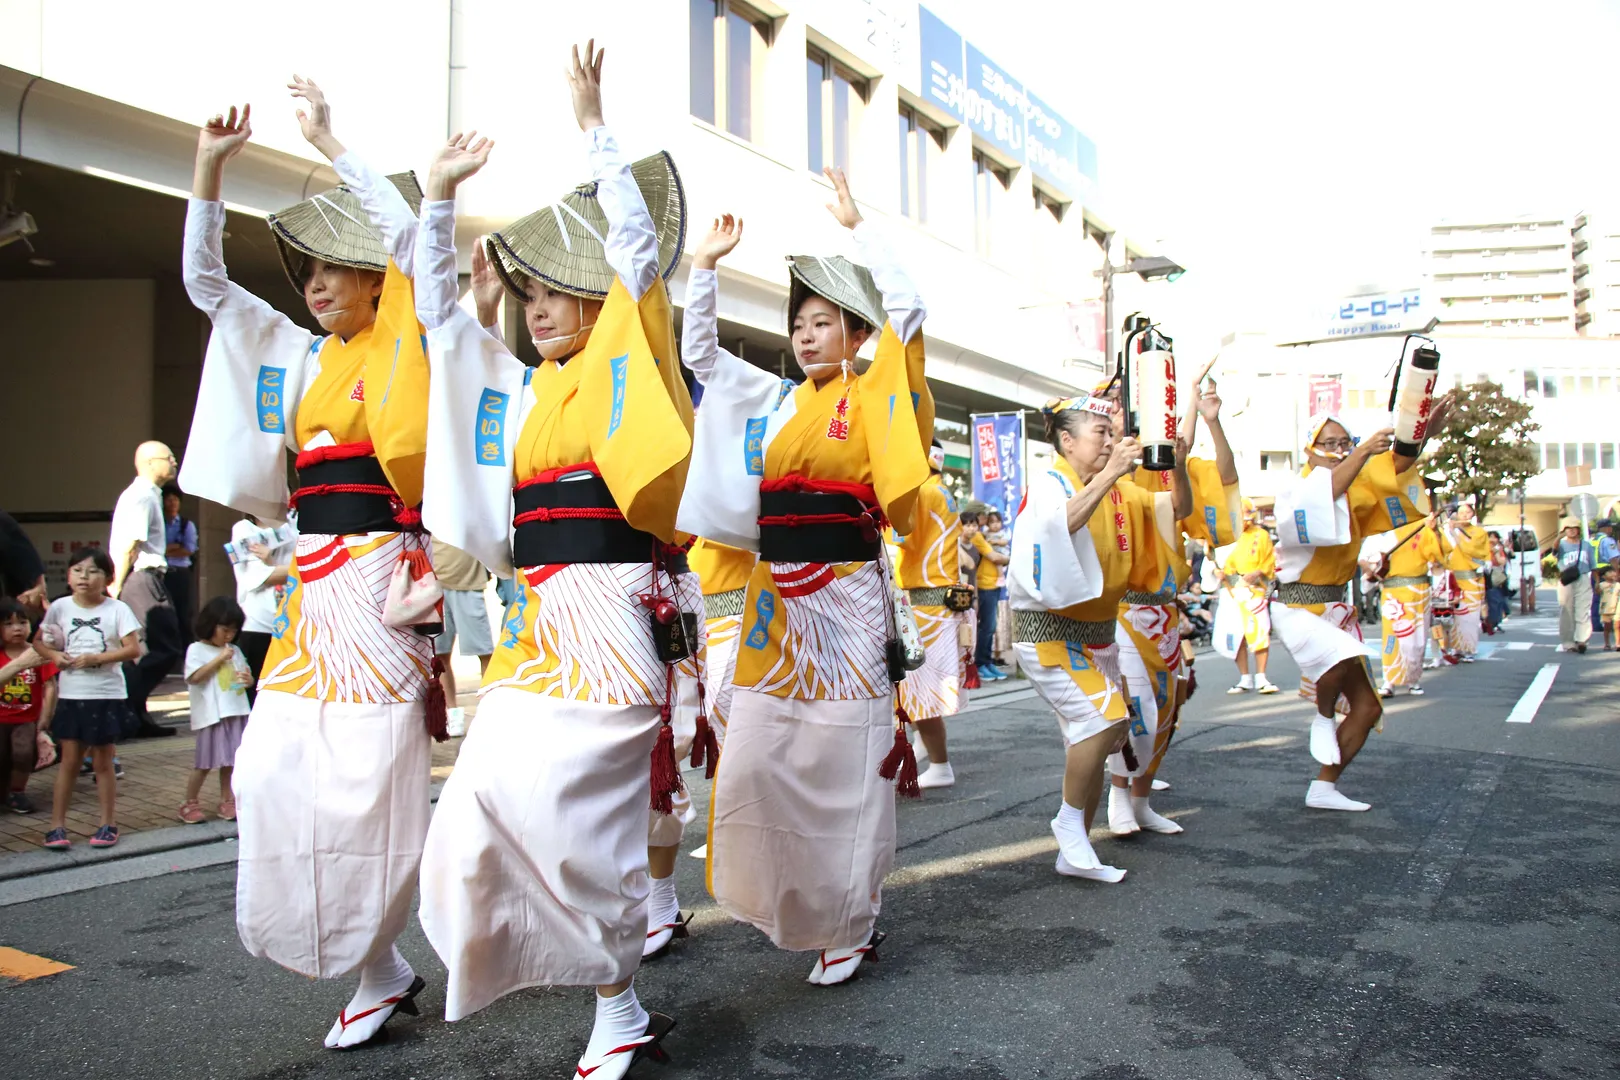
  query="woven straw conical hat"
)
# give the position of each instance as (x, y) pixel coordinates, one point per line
(563, 245)
(837, 280)
(333, 226)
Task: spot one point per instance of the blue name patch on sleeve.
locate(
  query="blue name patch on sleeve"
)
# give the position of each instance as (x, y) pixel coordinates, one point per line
(754, 446)
(764, 610)
(1397, 516)
(1299, 527)
(1210, 520)
(271, 400)
(621, 377)
(1037, 571)
(490, 438)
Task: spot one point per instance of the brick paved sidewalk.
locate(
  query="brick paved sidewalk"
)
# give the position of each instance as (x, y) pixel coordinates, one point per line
(154, 784)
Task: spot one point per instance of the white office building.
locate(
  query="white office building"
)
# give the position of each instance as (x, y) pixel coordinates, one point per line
(1511, 275)
(988, 192)
(1596, 248)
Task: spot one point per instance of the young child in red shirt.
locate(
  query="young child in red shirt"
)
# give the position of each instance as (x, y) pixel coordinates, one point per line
(27, 700)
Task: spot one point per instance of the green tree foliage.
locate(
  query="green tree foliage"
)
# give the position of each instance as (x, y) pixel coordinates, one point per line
(1484, 448)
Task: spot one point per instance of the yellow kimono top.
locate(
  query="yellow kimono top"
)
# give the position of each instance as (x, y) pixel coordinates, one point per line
(1470, 551)
(373, 388)
(1415, 555)
(619, 403)
(930, 553)
(1217, 512)
(872, 429)
(720, 569)
(1379, 501)
(1253, 552)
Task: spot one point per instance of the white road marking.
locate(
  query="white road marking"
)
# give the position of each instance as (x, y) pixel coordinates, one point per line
(1525, 711)
(1519, 646)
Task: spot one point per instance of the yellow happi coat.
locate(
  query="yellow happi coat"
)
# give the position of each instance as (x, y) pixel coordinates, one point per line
(1136, 543)
(620, 404)
(371, 388)
(816, 631)
(1253, 553)
(930, 559)
(1404, 607)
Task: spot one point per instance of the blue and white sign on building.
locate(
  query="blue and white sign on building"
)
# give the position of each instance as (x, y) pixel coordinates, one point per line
(995, 105)
(1385, 313)
(944, 76)
(958, 79)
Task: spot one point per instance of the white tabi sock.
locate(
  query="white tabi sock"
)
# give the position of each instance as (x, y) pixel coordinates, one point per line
(937, 775)
(1324, 739)
(1151, 819)
(1324, 795)
(1121, 820)
(383, 978)
(834, 966)
(1076, 858)
(663, 907)
(1247, 682)
(620, 1021)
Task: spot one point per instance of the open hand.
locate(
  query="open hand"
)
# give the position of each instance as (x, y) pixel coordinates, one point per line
(585, 84)
(316, 121)
(1209, 402)
(1441, 410)
(724, 235)
(486, 285)
(460, 157)
(1378, 442)
(225, 134)
(845, 210)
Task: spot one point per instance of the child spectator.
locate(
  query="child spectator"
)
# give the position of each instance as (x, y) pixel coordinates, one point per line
(91, 635)
(1608, 604)
(217, 677)
(27, 700)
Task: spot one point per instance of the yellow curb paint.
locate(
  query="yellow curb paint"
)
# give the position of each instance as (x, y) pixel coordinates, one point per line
(21, 966)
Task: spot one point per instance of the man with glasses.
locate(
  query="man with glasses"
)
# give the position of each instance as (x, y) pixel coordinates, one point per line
(138, 545)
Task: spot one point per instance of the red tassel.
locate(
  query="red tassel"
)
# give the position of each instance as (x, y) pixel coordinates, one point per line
(705, 747)
(666, 775)
(435, 711)
(901, 761)
(970, 681)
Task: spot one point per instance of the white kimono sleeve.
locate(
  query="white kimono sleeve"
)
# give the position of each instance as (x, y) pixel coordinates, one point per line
(478, 395)
(1308, 517)
(255, 369)
(742, 407)
(385, 206)
(900, 300)
(1051, 567)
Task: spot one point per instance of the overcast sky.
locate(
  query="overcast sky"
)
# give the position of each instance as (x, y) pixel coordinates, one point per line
(1286, 152)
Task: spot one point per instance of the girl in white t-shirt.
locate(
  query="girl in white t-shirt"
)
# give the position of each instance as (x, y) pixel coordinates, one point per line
(217, 678)
(88, 636)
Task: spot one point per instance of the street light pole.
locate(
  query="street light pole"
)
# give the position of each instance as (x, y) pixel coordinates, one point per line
(1146, 267)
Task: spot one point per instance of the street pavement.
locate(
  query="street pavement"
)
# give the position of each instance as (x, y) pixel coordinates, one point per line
(1460, 930)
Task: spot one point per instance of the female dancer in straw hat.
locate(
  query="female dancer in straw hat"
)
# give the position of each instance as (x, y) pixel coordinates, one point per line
(338, 746)
(1086, 537)
(1149, 633)
(535, 869)
(1344, 493)
(802, 823)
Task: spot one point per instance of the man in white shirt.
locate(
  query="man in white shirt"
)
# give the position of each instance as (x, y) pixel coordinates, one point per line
(138, 545)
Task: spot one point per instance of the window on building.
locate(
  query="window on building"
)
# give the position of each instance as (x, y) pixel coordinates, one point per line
(1588, 385)
(1050, 204)
(1549, 387)
(1532, 383)
(1572, 454)
(1552, 459)
(727, 58)
(834, 96)
(990, 184)
(1566, 384)
(920, 141)
(1608, 456)
(1589, 454)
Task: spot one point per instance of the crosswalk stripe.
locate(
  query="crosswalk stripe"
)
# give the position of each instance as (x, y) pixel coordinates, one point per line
(20, 966)
(1525, 711)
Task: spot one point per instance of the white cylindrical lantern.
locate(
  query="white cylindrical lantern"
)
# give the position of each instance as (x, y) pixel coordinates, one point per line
(1414, 399)
(1153, 389)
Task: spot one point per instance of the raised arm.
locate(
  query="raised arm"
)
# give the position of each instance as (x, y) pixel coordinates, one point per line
(1208, 405)
(700, 339)
(203, 260)
(631, 243)
(460, 157)
(900, 300)
(386, 207)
